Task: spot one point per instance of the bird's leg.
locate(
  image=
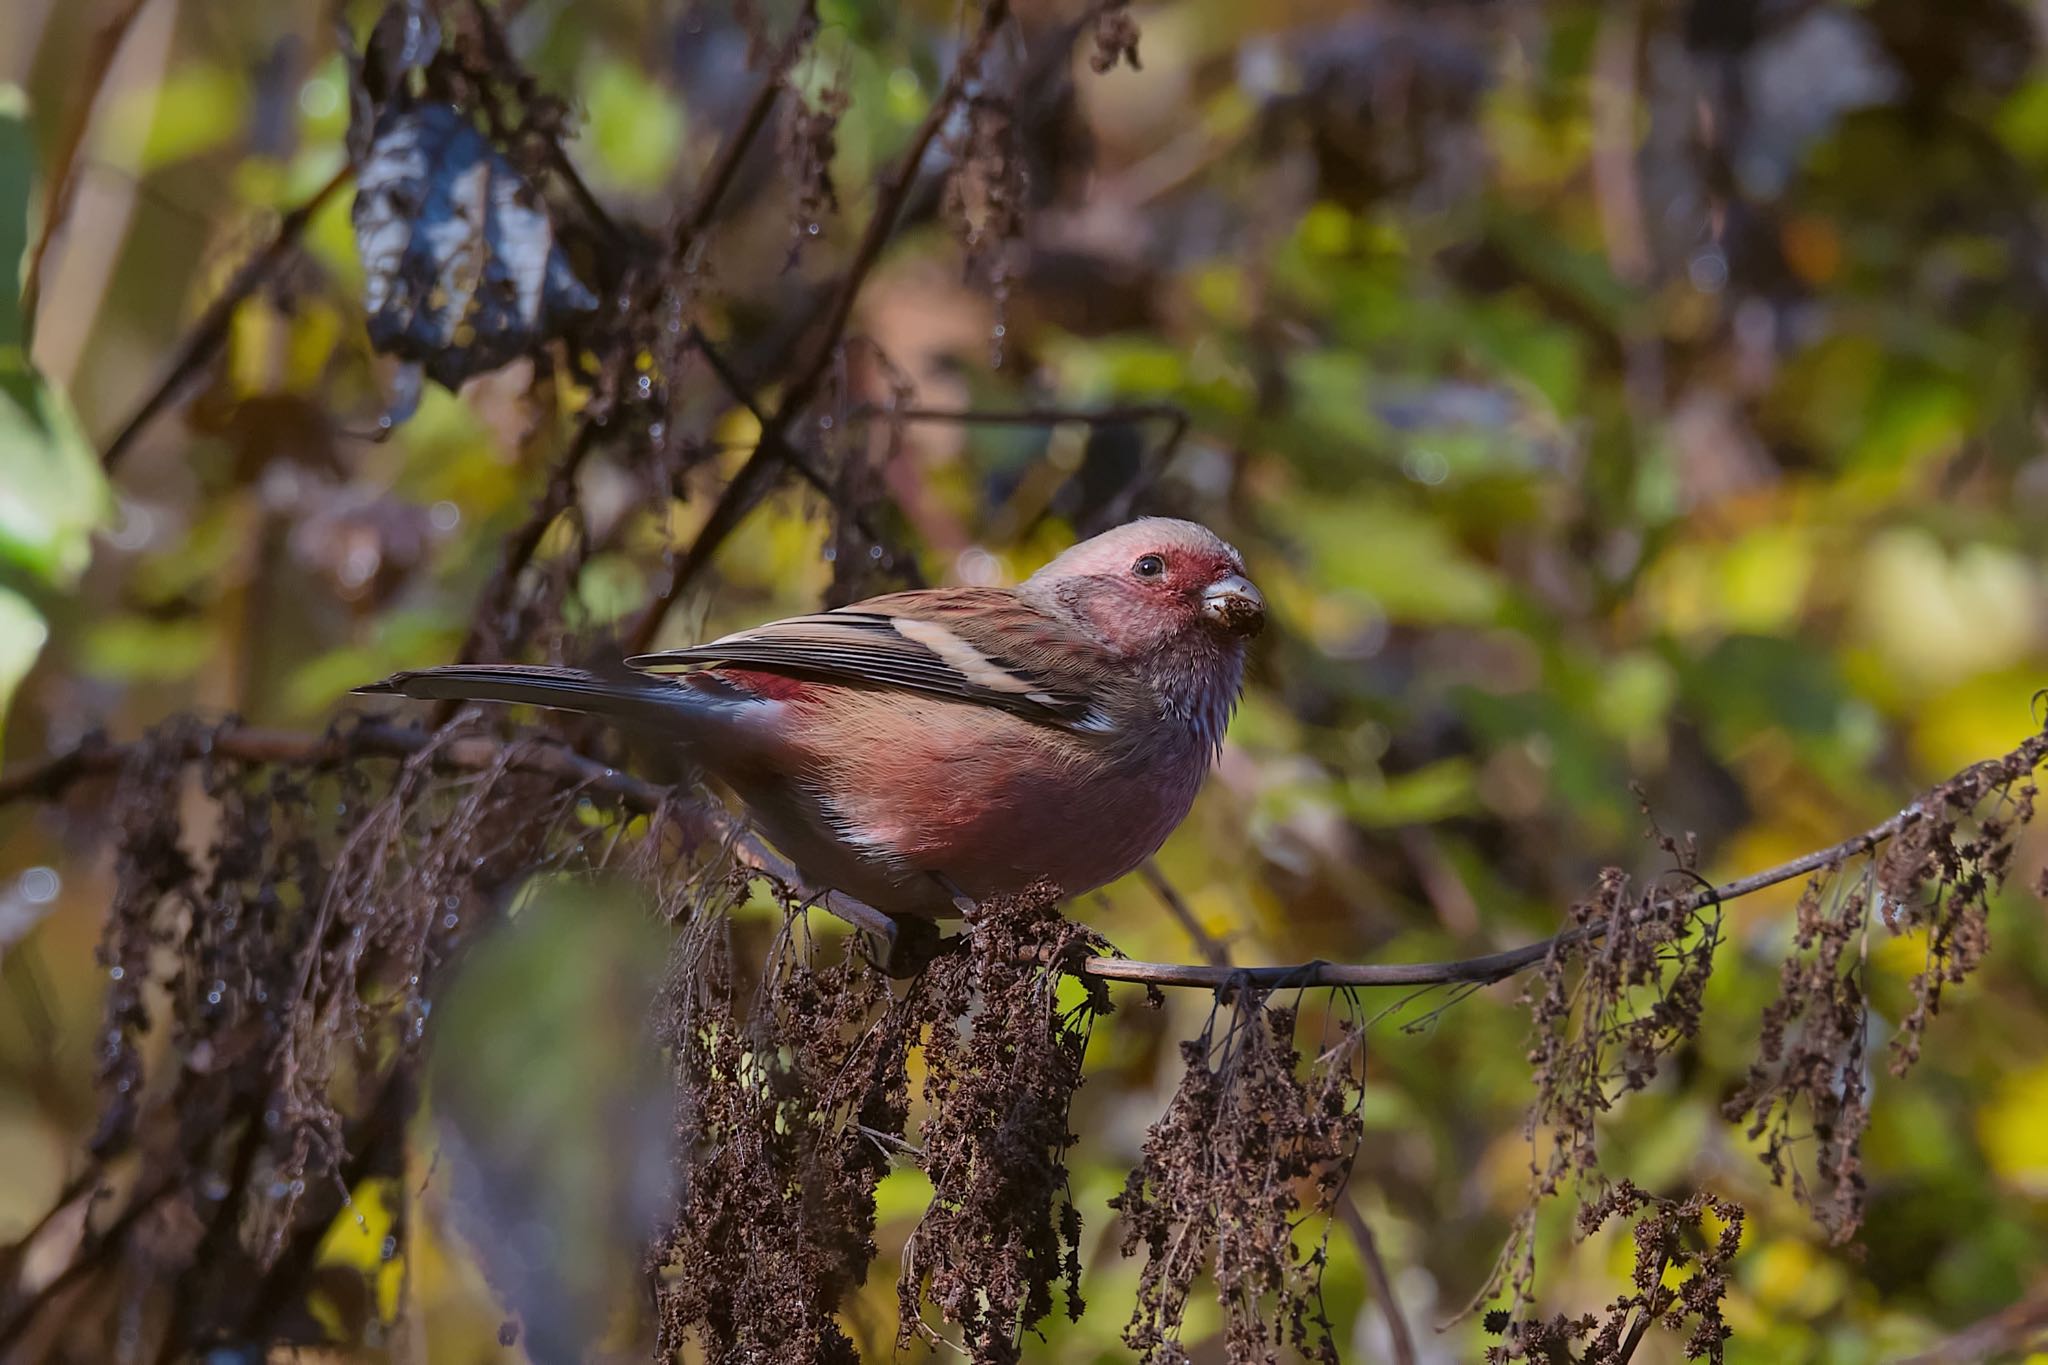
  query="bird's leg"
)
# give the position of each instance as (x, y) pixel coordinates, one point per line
(964, 903)
(911, 944)
(913, 941)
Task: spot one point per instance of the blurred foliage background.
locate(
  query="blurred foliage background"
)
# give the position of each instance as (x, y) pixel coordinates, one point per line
(1610, 398)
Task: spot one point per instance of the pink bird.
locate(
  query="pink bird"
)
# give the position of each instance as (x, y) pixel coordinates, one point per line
(918, 746)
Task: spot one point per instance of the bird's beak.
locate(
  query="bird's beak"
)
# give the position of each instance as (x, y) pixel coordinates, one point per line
(1234, 604)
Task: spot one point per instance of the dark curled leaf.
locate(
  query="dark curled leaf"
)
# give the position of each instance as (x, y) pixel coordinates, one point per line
(462, 269)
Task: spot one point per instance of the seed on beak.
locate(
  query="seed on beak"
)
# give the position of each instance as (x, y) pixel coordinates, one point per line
(1234, 604)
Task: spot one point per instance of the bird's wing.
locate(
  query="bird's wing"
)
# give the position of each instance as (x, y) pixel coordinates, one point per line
(975, 644)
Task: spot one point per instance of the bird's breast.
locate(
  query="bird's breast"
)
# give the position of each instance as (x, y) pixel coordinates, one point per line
(894, 788)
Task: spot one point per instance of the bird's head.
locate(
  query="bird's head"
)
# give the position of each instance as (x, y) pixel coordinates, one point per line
(1153, 583)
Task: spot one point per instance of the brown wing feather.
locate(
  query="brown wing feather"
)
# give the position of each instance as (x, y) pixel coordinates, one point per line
(972, 644)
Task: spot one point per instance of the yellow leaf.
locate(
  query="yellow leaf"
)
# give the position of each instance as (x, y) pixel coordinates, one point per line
(2015, 1140)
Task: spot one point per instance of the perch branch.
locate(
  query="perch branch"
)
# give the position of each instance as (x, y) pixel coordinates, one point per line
(464, 753)
(1478, 971)
(1492, 967)
(470, 753)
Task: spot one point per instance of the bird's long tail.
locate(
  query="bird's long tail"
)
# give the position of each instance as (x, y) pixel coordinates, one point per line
(633, 697)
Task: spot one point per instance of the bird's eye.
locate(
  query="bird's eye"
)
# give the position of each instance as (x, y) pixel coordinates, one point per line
(1149, 566)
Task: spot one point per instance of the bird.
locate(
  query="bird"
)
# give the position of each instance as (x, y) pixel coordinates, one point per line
(924, 750)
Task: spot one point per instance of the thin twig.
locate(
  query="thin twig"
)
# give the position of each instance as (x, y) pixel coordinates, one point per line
(205, 337)
(114, 1235)
(498, 51)
(699, 821)
(756, 476)
(496, 598)
(726, 165)
(1207, 944)
(2011, 1332)
(560, 492)
(727, 513)
(1402, 1340)
(1645, 1313)
(87, 80)
(1118, 508)
(1493, 967)
(792, 456)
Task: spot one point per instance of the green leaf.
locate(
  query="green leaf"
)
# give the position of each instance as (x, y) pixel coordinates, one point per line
(17, 177)
(192, 112)
(22, 634)
(636, 126)
(1439, 791)
(52, 494)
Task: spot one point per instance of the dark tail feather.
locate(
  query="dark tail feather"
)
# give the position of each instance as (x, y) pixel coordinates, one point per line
(630, 697)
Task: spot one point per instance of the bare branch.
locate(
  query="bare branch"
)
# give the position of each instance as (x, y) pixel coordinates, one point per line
(725, 167)
(50, 779)
(206, 336)
(1213, 950)
(1491, 967)
(466, 753)
(1402, 1340)
(88, 80)
(756, 476)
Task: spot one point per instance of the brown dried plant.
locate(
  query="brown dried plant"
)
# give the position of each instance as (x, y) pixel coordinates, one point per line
(1002, 1059)
(1252, 1145)
(787, 1114)
(1624, 989)
(282, 926)
(1809, 1084)
(1671, 1236)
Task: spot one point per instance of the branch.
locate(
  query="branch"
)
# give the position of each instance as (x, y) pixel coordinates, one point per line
(1484, 971)
(206, 335)
(1971, 781)
(756, 475)
(89, 80)
(498, 52)
(1402, 1340)
(496, 598)
(725, 167)
(96, 1245)
(2012, 1331)
(463, 753)
(1213, 950)
(470, 753)
(561, 486)
(796, 459)
(1118, 508)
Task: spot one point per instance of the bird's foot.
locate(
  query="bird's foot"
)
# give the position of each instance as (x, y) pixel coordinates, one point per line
(913, 943)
